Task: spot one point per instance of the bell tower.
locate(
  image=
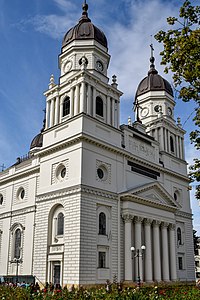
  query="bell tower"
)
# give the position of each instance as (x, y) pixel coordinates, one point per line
(83, 84)
(155, 100)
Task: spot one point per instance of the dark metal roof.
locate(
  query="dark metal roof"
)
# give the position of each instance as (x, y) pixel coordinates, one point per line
(85, 30)
(37, 142)
(153, 82)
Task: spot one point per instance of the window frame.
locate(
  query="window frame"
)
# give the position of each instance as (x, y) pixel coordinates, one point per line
(99, 107)
(102, 227)
(66, 107)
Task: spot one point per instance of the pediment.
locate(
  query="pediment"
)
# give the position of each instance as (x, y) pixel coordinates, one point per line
(152, 193)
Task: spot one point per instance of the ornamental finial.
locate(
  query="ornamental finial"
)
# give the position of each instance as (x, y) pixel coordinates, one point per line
(152, 60)
(85, 9)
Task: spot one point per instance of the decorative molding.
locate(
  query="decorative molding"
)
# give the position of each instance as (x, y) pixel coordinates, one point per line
(156, 223)
(138, 219)
(164, 224)
(183, 214)
(172, 227)
(127, 218)
(148, 221)
(75, 190)
(20, 175)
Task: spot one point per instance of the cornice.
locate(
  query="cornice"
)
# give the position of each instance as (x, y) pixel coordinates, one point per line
(140, 200)
(184, 214)
(18, 212)
(21, 174)
(104, 145)
(74, 190)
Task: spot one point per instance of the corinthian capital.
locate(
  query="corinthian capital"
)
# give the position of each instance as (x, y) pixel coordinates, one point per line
(127, 218)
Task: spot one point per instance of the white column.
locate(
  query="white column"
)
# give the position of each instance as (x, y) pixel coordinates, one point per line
(57, 111)
(182, 148)
(156, 252)
(148, 251)
(113, 112)
(76, 102)
(172, 251)
(128, 241)
(168, 140)
(161, 138)
(166, 144)
(47, 114)
(61, 109)
(89, 99)
(177, 147)
(72, 102)
(138, 244)
(52, 111)
(94, 102)
(108, 110)
(82, 98)
(165, 253)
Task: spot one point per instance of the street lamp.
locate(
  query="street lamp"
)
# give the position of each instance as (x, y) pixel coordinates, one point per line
(16, 261)
(137, 253)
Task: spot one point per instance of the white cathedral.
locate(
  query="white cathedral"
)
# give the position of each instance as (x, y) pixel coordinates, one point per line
(94, 199)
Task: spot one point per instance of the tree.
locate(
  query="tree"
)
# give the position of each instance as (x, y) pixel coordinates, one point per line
(196, 242)
(181, 55)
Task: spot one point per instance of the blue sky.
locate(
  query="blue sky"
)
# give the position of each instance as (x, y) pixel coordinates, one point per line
(31, 35)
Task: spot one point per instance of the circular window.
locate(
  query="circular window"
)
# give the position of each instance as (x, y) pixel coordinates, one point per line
(63, 172)
(21, 194)
(1, 199)
(102, 173)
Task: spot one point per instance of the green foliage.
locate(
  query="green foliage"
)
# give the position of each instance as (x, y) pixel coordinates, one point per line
(128, 293)
(181, 55)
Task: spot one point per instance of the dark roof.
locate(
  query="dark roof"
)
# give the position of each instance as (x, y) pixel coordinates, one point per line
(37, 141)
(153, 82)
(85, 30)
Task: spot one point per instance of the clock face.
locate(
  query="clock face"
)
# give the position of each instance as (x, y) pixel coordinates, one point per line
(144, 111)
(169, 111)
(68, 66)
(157, 108)
(99, 65)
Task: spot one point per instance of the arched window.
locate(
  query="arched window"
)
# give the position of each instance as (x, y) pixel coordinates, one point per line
(17, 245)
(171, 144)
(179, 236)
(60, 224)
(99, 106)
(102, 223)
(66, 106)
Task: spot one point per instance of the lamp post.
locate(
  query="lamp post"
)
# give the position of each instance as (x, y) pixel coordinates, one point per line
(16, 261)
(137, 253)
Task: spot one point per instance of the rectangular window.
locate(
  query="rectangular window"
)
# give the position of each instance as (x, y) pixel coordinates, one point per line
(180, 263)
(102, 260)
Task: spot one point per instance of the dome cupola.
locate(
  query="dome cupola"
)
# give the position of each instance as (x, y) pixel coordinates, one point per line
(85, 30)
(153, 82)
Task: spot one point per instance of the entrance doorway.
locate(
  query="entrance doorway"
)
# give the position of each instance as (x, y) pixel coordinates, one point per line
(56, 273)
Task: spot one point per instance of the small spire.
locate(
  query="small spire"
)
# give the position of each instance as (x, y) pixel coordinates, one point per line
(152, 60)
(85, 9)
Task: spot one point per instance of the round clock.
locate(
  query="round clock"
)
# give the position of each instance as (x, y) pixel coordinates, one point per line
(99, 65)
(169, 111)
(68, 66)
(144, 111)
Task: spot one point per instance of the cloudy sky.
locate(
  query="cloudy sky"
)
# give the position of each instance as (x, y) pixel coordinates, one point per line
(31, 34)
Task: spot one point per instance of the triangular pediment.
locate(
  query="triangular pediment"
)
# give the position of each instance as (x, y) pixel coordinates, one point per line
(153, 193)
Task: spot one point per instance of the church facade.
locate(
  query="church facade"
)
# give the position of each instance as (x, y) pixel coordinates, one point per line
(95, 199)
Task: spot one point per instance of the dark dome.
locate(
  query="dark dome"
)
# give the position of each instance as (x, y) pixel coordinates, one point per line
(37, 142)
(153, 82)
(85, 30)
